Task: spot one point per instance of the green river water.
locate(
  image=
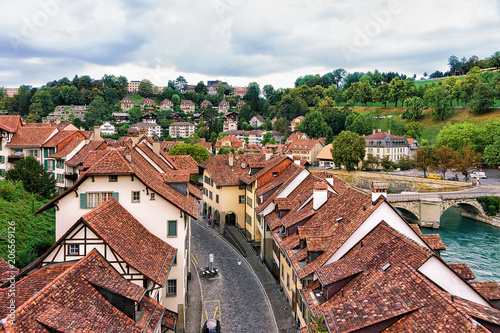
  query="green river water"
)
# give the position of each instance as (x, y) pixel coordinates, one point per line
(468, 241)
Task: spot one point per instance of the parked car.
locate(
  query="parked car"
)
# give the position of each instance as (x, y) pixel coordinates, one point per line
(434, 176)
(211, 326)
(478, 175)
(452, 178)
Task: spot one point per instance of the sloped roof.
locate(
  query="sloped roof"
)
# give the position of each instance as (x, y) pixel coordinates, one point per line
(68, 148)
(224, 175)
(185, 162)
(31, 136)
(93, 145)
(463, 270)
(235, 142)
(6, 271)
(10, 123)
(71, 302)
(302, 144)
(131, 240)
(59, 137)
(488, 289)
(325, 153)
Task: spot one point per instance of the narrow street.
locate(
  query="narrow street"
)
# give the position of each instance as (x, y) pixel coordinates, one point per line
(235, 295)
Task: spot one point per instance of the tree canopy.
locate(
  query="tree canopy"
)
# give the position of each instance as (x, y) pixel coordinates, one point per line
(348, 149)
(33, 176)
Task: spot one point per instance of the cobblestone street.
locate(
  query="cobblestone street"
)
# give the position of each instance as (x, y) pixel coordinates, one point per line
(235, 296)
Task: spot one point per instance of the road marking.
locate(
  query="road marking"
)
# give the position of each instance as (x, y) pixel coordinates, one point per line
(194, 259)
(206, 314)
(217, 309)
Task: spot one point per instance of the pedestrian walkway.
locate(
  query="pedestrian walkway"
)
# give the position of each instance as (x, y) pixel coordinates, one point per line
(279, 302)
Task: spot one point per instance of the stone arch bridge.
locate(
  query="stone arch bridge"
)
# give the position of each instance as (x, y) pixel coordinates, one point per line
(426, 209)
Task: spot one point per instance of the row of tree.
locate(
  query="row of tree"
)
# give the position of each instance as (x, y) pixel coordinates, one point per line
(348, 150)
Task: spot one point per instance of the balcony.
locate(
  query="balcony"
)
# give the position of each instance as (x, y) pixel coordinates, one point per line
(16, 157)
(71, 176)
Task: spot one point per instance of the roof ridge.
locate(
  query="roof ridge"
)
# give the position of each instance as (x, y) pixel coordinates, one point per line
(59, 277)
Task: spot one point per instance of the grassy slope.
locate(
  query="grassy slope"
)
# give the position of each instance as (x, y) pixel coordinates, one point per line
(432, 128)
(34, 233)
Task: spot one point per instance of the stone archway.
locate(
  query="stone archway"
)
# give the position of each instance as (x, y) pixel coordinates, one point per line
(231, 218)
(470, 208)
(209, 211)
(205, 210)
(408, 215)
(216, 217)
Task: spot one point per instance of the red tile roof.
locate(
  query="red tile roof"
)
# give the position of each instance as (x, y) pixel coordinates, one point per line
(234, 142)
(488, 289)
(6, 271)
(185, 162)
(10, 123)
(93, 145)
(463, 270)
(302, 144)
(72, 302)
(60, 137)
(224, 175)
(131, 240)
(434, 241)
(31, 136)
(68, 148)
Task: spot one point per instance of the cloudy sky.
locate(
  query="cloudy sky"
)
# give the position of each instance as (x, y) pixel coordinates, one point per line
(270, 42)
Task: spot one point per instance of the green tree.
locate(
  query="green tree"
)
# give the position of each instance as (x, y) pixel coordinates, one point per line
(201, 88)
(36, 110)
(111, 96)
(33, 176)
(268, 90)
(315, 126)
(413, 130)
(197, 152)
(360, 92)
(483, 98)
(359, 123)
(386, 163)
(44, 98)
(95, 112)
(371, 161)
(281, 125)
(457, 136)
(404, 163)
(268, 138)
(348, 149)
(414, 106)
(492, 153)
(423, 158)
(146, 88)
(439, 97)
(383, 94)
(317, 325)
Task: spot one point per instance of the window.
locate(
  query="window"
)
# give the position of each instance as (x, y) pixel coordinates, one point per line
(249, 201)
(241, 199)
(95, 199)
(210, 194)
(2, 159)
(152, 196)
(171, 288)
(49, 165)
(282, 271)
(113, 178)
(2, 172)
(60, 164)
(172, 228)
(74, 249)
(248, 219)
(175, 259)
(136, 196)
(249, 187)
(217, 198)
(288, 281)
(32, 152)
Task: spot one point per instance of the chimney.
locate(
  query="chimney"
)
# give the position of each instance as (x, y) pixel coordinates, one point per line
(268, 156)
(296, 160)
(128, 156)
(243, 165)
(379, 130)
(389, 131)
(97, 133)
(231, 160)
(156, 145)
(373, 131)
(320, 194)
(378, 189)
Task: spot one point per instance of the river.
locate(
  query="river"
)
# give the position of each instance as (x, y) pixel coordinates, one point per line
(468, 241)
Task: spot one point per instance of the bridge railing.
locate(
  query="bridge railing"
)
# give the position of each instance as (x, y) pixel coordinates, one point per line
(411, 197)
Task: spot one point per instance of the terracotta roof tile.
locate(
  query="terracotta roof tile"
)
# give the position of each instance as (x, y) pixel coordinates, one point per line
(31, 136)
(68, 148)
(302, 144)
(79, 157)
(71, 302)
(10, 123)
(59, 137)
(6, 271)
(434, 241)
(185, 162)
(488, 289)
(131, 240)
(463, 270)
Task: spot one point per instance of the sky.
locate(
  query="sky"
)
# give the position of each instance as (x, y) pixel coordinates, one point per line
(269, 42)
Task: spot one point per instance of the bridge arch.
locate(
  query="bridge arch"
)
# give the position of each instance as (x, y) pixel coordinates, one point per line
(410, 216)
(469, 208)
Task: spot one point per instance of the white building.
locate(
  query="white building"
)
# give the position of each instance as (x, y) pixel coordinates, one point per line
(181, 129)
(107, 129)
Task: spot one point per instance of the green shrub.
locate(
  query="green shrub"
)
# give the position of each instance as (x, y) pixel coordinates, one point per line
(490, 204)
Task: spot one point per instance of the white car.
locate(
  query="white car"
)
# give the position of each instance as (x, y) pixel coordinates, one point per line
(478, 175)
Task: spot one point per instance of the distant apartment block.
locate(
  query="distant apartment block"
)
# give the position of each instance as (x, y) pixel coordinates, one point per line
(187, 106)
(63, 112)
(240, 91)
(133, 86)
(107, 129)
(11, 92)
(230, 125)
(126, 104)
(166, 104)
(181, 129)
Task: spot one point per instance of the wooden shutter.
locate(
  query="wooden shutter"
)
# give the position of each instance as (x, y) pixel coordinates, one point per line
(83, 200)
